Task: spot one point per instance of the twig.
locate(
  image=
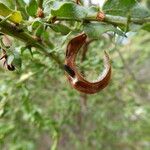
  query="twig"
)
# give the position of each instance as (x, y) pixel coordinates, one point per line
(115, 20)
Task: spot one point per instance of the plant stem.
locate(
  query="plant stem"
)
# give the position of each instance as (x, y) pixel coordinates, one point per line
(40, 4)
(124, 20)
(15, 31)
(116, 20)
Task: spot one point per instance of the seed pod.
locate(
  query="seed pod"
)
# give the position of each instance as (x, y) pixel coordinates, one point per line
(75, 78)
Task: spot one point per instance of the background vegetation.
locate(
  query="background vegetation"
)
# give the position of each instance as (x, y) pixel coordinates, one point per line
(38, 108)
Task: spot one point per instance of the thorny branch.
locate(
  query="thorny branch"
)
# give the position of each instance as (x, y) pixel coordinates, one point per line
(15, 31)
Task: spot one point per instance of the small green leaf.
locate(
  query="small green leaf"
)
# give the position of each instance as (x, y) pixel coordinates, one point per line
(125, 8)
(36, 24)
(20, 6)
(70, 10)
(47, 38)
(146, 27)
(39, 31)
(60, 28)
(92, 11)
(134, 27)
(118, 7)
(17, 61)
(139, 11)
(32, 7)
(10, 59)
(94, 30)
(22, 49)
(117, 31)
(48, 5)
(15, 16)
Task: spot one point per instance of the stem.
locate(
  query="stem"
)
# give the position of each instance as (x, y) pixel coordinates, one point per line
(116, 20)
(15, 31)
(124, 20)
(40, 4)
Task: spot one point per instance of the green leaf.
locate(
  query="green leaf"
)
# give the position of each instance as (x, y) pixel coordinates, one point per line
(118, 7)
(20, 6)
(146, 27)
(15, 16)
(32, 7)
(139, 11)
(70, 10)
(48, 5)
(39, 31)
(10, 59)
(9, 3)
(92, 11)
(17, 61)
(126, 8)
(117, 31)
(47, 38)
(36, 24)
(60, 28)
(94, 30)
(134, 27)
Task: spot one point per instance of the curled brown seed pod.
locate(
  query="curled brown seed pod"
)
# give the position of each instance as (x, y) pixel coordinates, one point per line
(75, 78)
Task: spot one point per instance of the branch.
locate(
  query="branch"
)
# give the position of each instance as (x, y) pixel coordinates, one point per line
(16, 32)
(124, 20)
(116, 20)
(20, 34)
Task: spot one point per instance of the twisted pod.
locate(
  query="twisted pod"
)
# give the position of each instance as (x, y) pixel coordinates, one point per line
(75, 78)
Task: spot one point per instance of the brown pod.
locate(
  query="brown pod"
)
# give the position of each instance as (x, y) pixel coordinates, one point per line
(75, 78)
